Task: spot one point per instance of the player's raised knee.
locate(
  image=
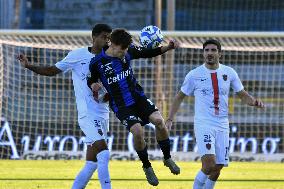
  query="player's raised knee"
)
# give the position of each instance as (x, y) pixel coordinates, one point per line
(159, 122)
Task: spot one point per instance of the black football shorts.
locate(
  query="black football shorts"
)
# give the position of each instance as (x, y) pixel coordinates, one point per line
(138, 112)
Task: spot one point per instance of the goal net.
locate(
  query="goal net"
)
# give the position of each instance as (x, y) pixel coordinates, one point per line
(39, 112)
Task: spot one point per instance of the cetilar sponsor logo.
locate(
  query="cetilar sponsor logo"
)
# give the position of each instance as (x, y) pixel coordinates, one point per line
(118, 77)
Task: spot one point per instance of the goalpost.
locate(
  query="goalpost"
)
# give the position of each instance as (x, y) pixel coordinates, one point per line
(40, 111)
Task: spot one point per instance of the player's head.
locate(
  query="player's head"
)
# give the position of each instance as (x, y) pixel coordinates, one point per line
(121, 37)
(212, 42)
(211, 51)
(101, 35)
(120, 41)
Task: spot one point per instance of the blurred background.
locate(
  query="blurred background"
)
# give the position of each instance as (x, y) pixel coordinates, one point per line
(192, 15)
(39, 113)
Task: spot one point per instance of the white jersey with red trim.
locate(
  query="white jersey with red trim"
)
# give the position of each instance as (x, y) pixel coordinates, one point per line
(211, 90)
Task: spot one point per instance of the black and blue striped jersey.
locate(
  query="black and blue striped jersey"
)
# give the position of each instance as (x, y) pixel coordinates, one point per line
(117, 75)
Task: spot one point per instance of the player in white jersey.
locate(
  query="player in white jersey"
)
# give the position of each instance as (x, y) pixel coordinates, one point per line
(210, 84)
(93, 116)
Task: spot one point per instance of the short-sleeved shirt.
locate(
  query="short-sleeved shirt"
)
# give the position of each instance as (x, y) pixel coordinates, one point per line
(78, 62)
(211, 90)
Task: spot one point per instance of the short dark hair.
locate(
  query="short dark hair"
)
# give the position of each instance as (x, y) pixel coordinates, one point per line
(121, 37)
(214, 42)
(99, 28)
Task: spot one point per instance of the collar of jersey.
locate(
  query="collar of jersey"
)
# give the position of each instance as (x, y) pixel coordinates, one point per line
(211, 71)
(107, 56)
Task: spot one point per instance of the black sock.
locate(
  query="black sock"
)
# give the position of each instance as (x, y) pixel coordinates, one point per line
(143, 156)
(165, 146)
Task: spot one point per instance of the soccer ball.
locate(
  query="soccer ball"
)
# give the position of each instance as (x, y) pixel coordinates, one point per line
(150, 37)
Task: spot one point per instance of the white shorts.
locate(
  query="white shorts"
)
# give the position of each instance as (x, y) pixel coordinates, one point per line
(94, 128)
(212, 141)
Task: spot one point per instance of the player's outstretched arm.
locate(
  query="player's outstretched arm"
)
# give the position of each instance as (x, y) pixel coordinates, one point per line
(171, 45)
(250, 100)
(174, 108)
(137, 52)
(42, 70)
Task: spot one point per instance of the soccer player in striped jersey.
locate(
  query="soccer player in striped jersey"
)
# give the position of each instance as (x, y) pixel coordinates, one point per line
(210, 84)
(127, 99)
(93, 116)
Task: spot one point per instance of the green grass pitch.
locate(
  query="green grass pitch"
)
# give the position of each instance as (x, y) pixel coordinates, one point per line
(28, 174)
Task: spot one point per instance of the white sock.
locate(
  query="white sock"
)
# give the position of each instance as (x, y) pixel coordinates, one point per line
(209, 184)
(103, 173)
(85, 175)
(199, 180)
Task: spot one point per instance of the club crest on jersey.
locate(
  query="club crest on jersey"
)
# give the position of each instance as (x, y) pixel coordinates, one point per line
(225, 77)
(208, 146)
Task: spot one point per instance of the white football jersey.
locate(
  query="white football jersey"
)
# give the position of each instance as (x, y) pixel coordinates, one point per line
(78, 62)
(211, 90)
